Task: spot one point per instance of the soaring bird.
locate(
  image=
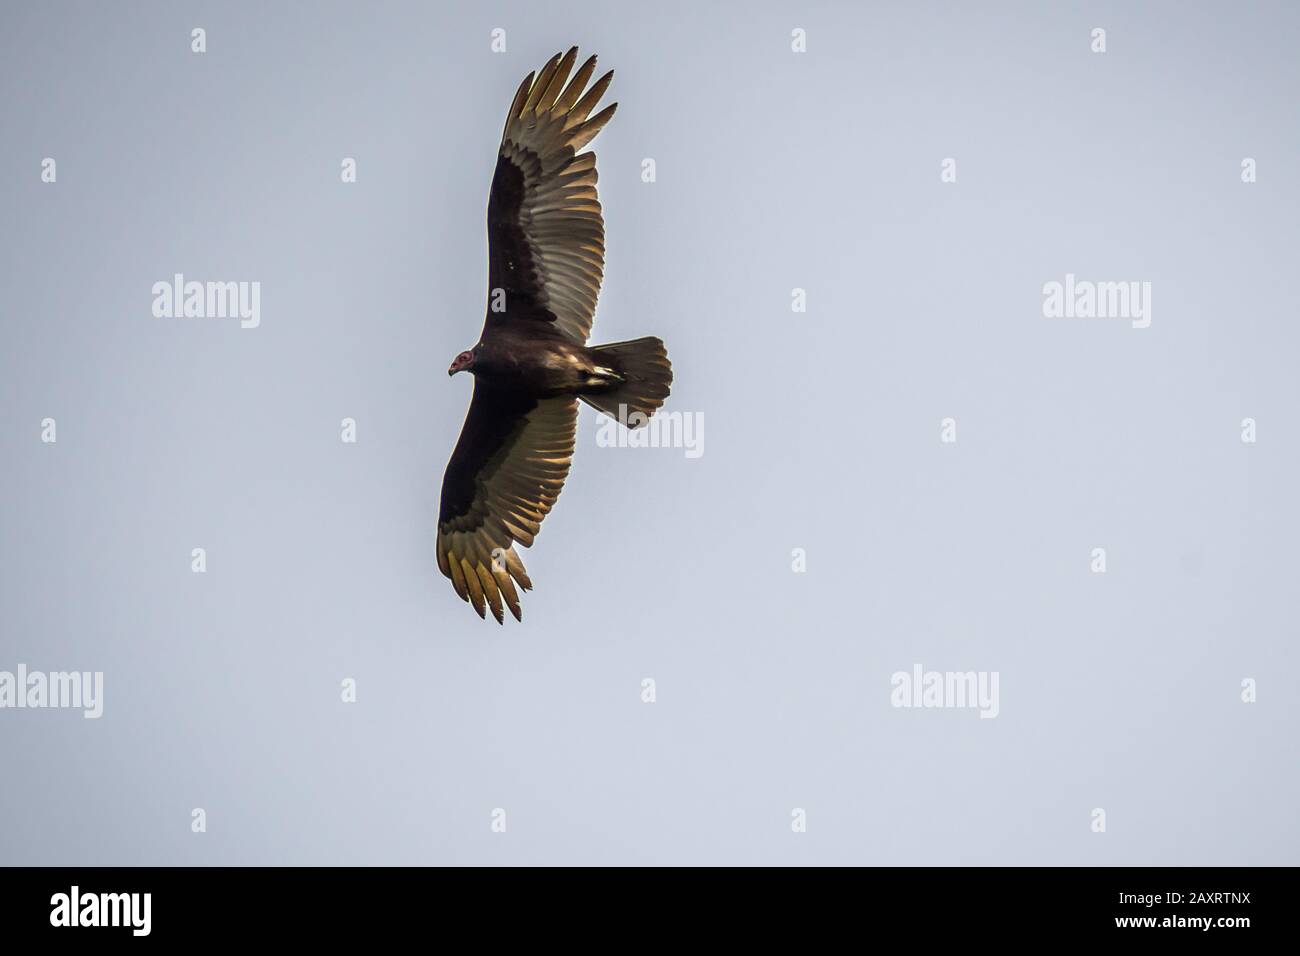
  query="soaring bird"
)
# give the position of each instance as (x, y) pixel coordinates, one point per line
(531, 364)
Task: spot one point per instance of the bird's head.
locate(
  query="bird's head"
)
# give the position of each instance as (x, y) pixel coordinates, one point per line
(465, 360)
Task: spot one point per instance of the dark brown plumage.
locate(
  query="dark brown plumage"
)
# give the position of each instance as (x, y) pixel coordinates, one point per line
(531, 364)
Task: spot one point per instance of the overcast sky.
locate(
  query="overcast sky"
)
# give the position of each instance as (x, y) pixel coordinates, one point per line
(827, 538)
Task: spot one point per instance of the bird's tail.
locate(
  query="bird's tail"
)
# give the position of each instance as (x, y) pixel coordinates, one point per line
(646, 374)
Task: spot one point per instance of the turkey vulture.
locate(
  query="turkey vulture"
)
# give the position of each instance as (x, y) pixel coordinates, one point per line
(531, 365)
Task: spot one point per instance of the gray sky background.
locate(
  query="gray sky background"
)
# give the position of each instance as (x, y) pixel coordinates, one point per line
(775, 170)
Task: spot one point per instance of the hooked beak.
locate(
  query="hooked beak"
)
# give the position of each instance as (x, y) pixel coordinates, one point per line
(461, 362)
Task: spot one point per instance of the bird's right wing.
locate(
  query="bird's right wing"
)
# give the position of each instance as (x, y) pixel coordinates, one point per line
(546, 236)
(503, 478)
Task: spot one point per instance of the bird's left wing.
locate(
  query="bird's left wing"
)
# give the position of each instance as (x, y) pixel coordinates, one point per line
(546, 236)
(505, 474)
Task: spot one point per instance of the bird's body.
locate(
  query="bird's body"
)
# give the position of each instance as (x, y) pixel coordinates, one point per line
(541, 361)
(532, 363)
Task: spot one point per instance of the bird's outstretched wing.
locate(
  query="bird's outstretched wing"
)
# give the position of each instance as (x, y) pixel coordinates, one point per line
(505, 474)
(546, 237)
